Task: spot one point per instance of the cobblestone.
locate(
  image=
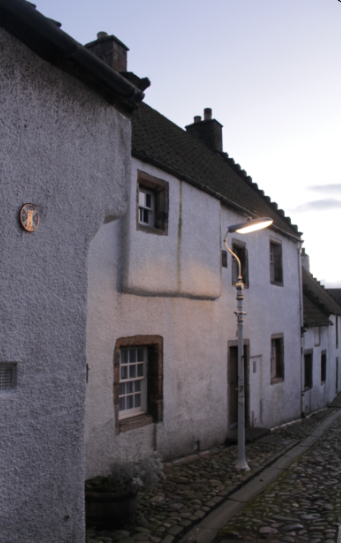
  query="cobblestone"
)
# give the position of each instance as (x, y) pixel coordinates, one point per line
(195, 486)
(314, 510)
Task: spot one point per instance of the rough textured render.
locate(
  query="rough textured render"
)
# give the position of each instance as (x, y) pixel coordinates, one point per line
(187, 261)
(195, 332)
(67, 151)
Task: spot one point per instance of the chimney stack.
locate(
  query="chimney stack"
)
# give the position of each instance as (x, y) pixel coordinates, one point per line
(209, 131)
(305, 260)
(111, 50)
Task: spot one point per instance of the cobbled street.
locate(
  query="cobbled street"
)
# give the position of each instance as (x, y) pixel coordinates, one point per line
(304, 505)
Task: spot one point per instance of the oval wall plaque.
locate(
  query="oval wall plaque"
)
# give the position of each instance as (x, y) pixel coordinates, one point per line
(29, 218)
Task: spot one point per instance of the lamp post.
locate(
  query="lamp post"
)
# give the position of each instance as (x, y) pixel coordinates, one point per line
(242, 228)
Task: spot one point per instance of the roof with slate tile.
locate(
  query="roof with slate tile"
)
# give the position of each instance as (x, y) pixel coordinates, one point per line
(317, 303)
(160, 142)
(312, 315)
(335, 293)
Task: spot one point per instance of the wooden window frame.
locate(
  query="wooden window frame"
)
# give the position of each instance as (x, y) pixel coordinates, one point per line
(154, 383)
(308, 382)
(323, 367)
(279, 376)
(276, 266)
(160, 190)
(238, 246)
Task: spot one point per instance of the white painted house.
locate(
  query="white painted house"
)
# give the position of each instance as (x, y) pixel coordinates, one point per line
(161, 330)
(65, 152)
(321, 378)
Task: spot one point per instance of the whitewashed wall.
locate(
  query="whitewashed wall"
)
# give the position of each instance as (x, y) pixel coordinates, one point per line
(322, 393)
(141, 284)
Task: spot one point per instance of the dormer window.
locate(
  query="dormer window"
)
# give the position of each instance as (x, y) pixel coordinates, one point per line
(152, 204)
(146, 207)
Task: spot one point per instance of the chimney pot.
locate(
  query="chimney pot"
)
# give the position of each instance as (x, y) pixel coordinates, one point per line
(197, 119)
(101, 35)
(207, 114)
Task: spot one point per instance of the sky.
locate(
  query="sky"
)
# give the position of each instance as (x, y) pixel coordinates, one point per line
(271, 72)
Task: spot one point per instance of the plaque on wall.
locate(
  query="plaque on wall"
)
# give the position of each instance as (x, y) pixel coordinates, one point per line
(29, 218)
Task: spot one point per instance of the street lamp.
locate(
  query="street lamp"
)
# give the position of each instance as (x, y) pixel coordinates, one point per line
(242, 228)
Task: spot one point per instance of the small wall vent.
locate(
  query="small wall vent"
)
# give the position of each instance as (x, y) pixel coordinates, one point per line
(8, 373)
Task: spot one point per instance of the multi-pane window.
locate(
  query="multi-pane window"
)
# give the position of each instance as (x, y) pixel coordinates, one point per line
(152, 204)
(308, 370)
(323, 366)
(317, 335)
(146, 207)
(277, 359)
(132, 388)
(240, 250)
(276, 269)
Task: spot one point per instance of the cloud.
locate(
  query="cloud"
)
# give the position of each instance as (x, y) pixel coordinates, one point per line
(336, 187)
(318, 205)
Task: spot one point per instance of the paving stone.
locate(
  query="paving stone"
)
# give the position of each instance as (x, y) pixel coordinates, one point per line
(192, 490)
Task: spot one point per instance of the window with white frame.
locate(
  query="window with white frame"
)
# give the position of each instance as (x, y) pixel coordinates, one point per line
(138, 381)
(152, 204)
(146, 207)
(132, 389)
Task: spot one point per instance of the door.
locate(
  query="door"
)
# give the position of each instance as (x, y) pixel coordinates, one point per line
(233, 385)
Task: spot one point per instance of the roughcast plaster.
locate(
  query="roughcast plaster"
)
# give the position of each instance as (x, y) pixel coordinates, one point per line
(67, 151)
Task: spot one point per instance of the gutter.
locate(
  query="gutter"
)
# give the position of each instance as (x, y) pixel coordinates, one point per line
(45, 38)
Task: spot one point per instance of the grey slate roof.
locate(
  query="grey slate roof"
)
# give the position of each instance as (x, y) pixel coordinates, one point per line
(317, 303)
(160, 142)
(312, 315)
(335, 293)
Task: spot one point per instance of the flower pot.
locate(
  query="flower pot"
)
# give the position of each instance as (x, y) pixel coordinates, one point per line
(110, 509)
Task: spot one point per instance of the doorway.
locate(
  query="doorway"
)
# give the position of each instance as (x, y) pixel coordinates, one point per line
(233, 382)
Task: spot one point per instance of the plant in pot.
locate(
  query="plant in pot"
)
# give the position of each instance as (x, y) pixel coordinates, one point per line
(110, 500)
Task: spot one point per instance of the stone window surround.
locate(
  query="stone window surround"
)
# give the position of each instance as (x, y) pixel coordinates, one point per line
(161, 190)
(154, 382)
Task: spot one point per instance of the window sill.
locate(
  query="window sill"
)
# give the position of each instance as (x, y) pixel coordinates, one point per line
(132, 423)
(276, 283)
(307, 388)
(151, 230)
(275, 380)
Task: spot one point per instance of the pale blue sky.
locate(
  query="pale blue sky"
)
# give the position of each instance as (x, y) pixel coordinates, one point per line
(270, 71)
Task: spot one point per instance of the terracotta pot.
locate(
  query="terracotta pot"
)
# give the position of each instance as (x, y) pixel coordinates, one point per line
(110, 509)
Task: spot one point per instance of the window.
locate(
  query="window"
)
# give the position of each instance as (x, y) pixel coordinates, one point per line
(239, 248)
(317, 335)
(323, 367)
(132, 391)
(308, 369)
(277, 358)
(276, 269)
(146, 207)
(152, 204)
(224, 259)
(138, 382)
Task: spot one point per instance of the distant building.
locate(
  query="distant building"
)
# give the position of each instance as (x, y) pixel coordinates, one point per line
(321, 379)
